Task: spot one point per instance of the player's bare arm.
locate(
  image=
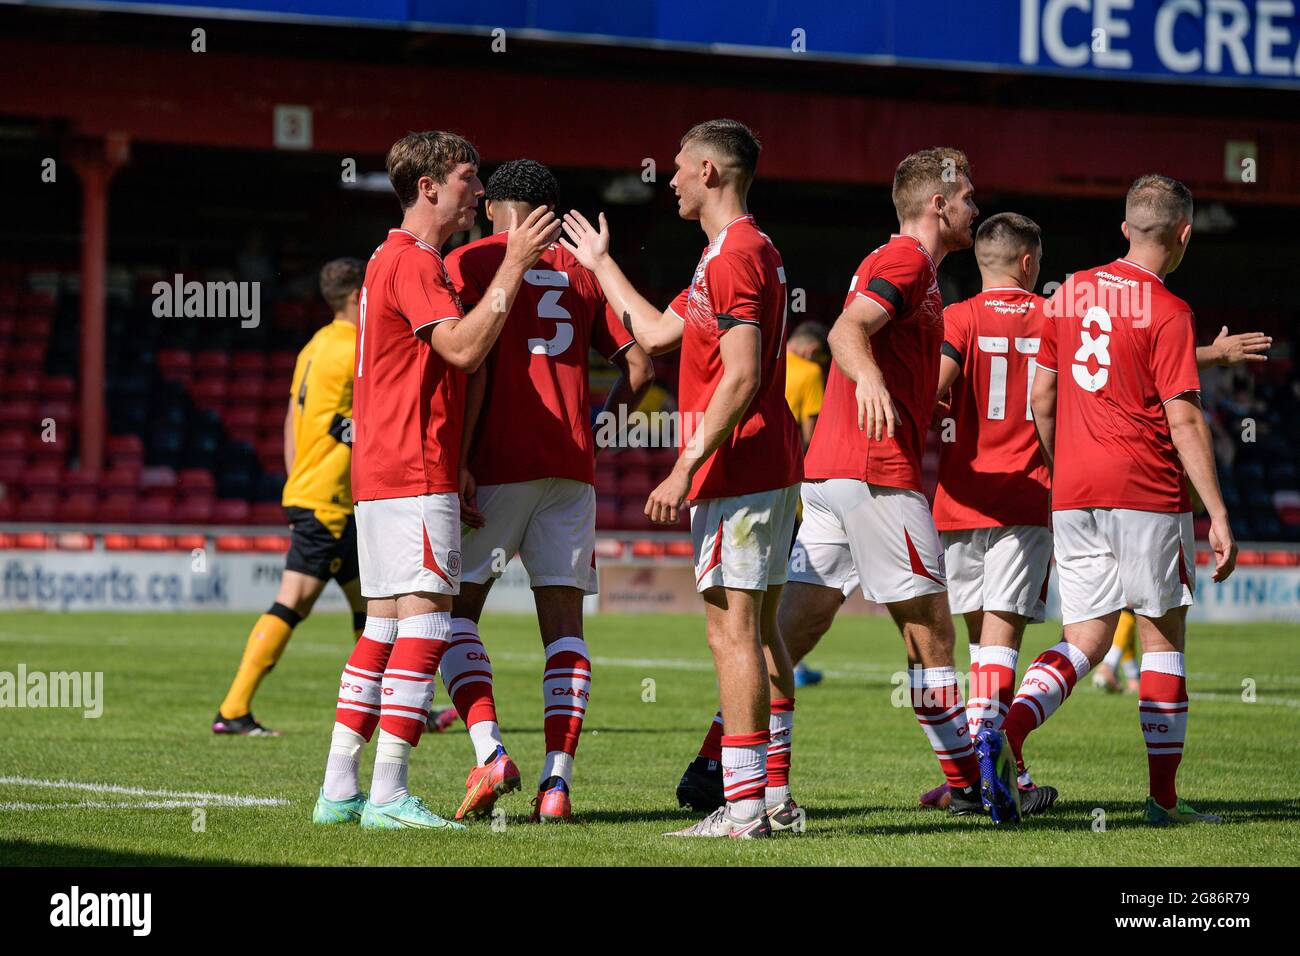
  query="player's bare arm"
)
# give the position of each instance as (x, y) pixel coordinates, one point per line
(637, 374)
(741, 353)
(1042, 401)
(948, 372)
(475, 395)
(1229, 350)
(464, 343)
(1191, 438)
(290, 450)
(850, 343)
(654, 330)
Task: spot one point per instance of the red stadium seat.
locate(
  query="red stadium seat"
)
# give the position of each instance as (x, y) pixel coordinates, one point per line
(32, 540)
(41, 507)
(20, 413)
(636, 484)
(154, 510)
(608, 548)
(246, 392)
(271, 543)
(12, 469)
(195, 510)
(121, 478)
(211, 363)
(249, 363)
(231, 511)
(680, 549)
(234, 542)
(188, 542)
(267, 514)
(176, 362)
(158, 477)
(119, 542)
(79, 480)
(155, 542)
(116, 507)
(74, 541)
(208, 392)
(26, 382)
(129, 447)
(44, 476)
(60, 387)
(648, 549)
(80, 508)
(196, 481)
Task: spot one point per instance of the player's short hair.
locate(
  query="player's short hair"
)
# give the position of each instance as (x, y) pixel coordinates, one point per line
(1156, 205)
(812, 331)
(1006, 237)
(732, 141)
(523, 180)
(924, 173)
(339, 278)
(433, 153)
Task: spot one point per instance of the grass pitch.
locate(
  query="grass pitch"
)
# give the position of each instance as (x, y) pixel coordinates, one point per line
(859, 761)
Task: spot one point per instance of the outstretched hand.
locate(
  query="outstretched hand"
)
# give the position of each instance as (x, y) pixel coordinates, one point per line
(588, 244)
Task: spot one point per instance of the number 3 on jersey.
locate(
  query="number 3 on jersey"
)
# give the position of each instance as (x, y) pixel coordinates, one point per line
(998, 347)
(549, 308)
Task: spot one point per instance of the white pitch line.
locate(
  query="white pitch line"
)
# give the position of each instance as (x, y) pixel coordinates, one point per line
(101, 805)
(209, 799)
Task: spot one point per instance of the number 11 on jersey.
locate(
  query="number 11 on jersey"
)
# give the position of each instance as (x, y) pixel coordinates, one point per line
(998, 347)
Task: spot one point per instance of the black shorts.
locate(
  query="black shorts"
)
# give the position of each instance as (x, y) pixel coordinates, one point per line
(314, 551)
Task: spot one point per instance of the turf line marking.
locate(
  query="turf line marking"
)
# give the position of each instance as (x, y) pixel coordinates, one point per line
(209, 799)
(101, 805)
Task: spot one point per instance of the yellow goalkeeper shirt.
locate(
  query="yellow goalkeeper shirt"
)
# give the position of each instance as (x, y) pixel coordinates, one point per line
(321, 478)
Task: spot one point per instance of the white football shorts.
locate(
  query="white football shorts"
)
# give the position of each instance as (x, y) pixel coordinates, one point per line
(998, 569)
(409, 545)
(743, 542)
(550, 523)
(854, 533)
(1113, 558)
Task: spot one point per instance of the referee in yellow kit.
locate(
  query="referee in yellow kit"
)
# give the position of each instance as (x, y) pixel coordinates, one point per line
(317, 496)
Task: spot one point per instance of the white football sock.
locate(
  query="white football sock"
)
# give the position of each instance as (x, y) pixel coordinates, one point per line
(341, 767)
(392, 764)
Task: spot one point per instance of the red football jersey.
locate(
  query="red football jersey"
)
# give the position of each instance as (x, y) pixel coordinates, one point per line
(1126, 345)
(739, 279)
(992, 474)
(536, 418)
(408, 405)
(901, 278)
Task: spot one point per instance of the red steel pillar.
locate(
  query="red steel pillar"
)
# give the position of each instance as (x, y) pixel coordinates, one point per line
(95, 162)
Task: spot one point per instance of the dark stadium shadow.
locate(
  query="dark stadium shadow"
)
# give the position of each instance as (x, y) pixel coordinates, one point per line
(690, 816)
(24, 853)
(1074, 817)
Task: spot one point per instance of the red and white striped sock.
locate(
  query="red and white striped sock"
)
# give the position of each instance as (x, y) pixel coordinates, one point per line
(997, 687)
(711, 749)
(566, 691)
(359, 687)
(356, 714)
(409, 679)
(1163, 709)
(780, 730)
(744, 773)
(466, 672)
(936, 698)
(1046, 684)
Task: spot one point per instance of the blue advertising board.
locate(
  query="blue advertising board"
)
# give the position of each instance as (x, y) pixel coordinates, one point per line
(1244, 42)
